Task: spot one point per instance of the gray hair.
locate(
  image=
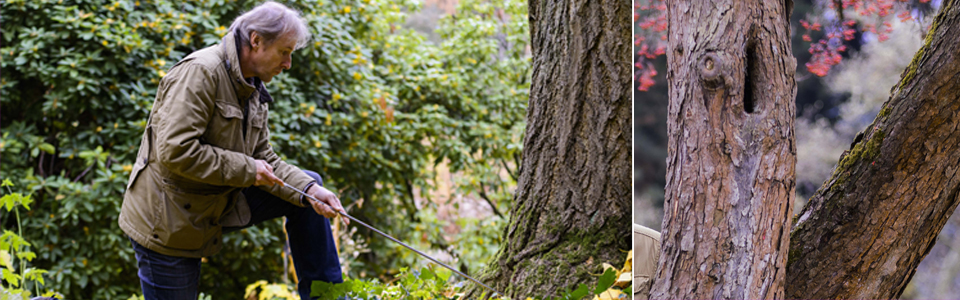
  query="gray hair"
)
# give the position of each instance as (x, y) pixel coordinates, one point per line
(271, 20)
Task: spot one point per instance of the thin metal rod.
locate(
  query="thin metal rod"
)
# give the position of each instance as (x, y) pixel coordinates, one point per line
(393, 239)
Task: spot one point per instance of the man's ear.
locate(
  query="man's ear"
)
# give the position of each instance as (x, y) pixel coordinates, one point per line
(255, 39)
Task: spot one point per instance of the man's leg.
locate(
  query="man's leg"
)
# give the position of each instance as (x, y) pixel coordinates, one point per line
(167, 277)
(311, 241)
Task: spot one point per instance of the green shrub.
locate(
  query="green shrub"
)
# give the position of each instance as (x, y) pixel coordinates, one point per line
(370, 105)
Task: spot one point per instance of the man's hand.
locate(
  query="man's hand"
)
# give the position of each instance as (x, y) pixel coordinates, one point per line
(327, 197)
(265, 174)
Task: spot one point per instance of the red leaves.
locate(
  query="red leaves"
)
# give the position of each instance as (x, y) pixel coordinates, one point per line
(877, 16)
(650, 17)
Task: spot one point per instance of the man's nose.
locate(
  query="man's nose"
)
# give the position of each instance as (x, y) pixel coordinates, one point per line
(286, 63)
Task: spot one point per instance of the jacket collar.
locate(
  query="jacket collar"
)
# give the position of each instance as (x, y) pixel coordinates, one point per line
(231, 59)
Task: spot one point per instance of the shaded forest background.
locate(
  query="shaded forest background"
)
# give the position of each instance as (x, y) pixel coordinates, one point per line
(831, 110)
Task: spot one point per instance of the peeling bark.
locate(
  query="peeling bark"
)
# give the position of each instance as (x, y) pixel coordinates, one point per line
(732, 157)
(572, 208)
(864, 232)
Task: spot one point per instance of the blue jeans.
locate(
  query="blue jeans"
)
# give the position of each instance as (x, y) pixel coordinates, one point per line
(311, 245)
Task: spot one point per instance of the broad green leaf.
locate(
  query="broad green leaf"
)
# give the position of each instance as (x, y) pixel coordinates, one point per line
(48, 148)
(606, 280)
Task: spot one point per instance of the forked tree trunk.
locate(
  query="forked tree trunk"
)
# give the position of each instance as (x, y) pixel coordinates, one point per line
(572, 206)
(864, 232)
(732, 157)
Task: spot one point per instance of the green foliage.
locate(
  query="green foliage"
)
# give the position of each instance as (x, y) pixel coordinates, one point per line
(15, 250)
(372, 106)
(438, 283)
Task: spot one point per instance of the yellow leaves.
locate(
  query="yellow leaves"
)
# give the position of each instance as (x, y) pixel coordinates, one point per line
(105, 43)
(5, 259)
(310, 111)
(317, 144)
(357, 76)
(346, 9)
(269, 291)
(161, 62)
(86, 230)
(127, 168)
(329, 120)
(444, 77)
(611, 294)
(365, 114)
(177, 27)
(337, 96)
(416, 88)
(99, 129)
(472, 61)
(115, 125)
(162, 73)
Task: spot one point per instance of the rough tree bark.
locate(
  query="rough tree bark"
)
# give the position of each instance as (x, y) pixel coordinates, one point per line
(731, 161)
(864, 232)
(572, 206)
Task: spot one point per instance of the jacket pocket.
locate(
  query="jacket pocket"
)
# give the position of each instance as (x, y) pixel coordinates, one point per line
(226, 127)
(187, 220)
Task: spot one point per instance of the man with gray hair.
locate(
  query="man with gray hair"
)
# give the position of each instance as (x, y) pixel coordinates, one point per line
(205, 164)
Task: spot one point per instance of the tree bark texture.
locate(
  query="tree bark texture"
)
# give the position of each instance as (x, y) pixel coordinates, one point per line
(571, 210)
(862, 235)
(732, 158)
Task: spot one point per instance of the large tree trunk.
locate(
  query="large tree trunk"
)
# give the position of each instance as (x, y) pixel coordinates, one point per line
(572, 207)
(731, 161)
(864, 232)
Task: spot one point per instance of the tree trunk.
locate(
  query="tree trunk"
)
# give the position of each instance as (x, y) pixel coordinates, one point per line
(572, 207)
(864, 232)
(732, 157)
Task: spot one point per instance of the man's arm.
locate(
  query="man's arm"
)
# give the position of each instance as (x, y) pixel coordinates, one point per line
(292, 175)
(188, 105)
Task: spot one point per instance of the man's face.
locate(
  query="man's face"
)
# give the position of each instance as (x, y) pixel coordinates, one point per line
(270, 60)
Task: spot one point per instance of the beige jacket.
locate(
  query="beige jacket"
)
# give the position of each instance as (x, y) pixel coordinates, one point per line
(646, 254)
(194, 156)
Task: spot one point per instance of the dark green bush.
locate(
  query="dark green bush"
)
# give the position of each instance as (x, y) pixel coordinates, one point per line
(369, 104)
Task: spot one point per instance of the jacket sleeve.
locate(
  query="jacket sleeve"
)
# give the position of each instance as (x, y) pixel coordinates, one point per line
(290, 174)
(188, 104)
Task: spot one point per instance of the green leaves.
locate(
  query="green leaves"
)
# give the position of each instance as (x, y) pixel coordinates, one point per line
(606, 280)
(379, 136)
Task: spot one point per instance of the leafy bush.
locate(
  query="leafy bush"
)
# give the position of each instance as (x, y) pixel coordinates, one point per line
(370, 105)
(428, 283)
(15, 251)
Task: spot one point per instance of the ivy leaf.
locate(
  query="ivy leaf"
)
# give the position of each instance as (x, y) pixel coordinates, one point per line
(579, 293)
(606, 280)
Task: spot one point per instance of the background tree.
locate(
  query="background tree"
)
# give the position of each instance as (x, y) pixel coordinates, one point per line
(881, 210)
(730, 167)
(572, 206)
(877, 260)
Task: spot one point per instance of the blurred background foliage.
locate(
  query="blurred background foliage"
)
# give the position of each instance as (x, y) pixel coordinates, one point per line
(419, 131)
(831, 110)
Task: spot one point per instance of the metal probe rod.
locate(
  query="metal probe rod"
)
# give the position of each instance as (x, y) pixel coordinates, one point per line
(394, 239)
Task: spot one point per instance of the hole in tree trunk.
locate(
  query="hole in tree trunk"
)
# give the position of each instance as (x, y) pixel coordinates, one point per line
(750, 92)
